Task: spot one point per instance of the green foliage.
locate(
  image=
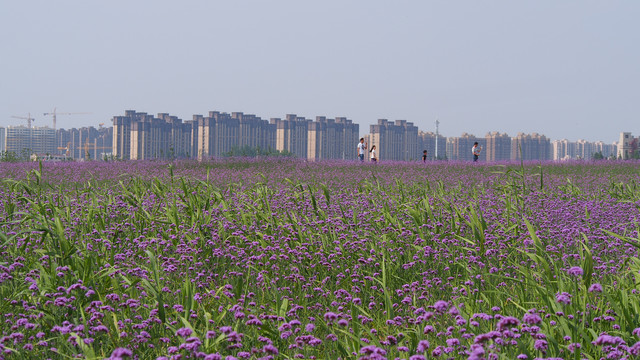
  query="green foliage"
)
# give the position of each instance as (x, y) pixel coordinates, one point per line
(248, 151)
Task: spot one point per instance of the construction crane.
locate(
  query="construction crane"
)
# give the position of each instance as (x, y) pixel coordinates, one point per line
(94, 147)
(28, 118)
(54, 113)
(65, 148)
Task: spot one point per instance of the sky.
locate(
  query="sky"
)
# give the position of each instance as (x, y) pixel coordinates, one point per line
(566, 69)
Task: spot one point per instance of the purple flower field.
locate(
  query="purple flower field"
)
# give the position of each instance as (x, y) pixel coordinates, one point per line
(281, 259)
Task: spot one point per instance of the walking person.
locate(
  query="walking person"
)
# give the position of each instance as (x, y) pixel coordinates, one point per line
(360, 149)
(372, 154)
(475, 150)
(424, 156)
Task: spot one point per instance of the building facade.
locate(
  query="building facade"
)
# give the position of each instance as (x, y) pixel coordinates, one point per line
(531, 147)
(394, 140)
(3, 139)
(459, 148)
(23, 140)
(291, 135)
(329, 139)
(427, 141)
(498, 146)
(627, 146)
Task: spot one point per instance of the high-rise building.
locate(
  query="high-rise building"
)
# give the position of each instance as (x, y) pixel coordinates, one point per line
(427, 141)
(254, 132)
(584, 149)
(85, 142)
(627, 146)
(122, 135)
(531, 147)
(23, 140)
(3, 139)
(394, 141)
(219, 133)
(330, 138)
(607, 150)
(563, 149)
(140, 136)
(291, 135)
(498, 146)
(347, 136)
(459, 148)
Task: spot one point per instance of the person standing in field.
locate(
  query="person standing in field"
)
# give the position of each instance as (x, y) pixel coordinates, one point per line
(475, 150)
(360, 149)
(424, 156)
(372, 153)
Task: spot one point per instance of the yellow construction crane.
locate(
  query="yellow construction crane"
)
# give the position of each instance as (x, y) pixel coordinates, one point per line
(28, 118)
(65, 148)
(54, 113)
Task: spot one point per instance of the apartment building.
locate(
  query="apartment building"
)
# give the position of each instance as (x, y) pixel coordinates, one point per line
(498, 146)
(627, 146)
(331, 138)
(607, 150)
(291, 134)
(531, 147)
(85, 142)
(33, 140)
(563, 149)
(427, 141)
(459, 148)
(394, 140)
(3, 139)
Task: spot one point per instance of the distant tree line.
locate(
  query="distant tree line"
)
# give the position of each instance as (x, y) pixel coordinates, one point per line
(248, 151)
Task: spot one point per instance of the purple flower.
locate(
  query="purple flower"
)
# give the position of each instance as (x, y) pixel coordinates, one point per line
(477, 352)
(606, 339)
(441, 306)
(423, 345)
(595, 288)
(270, 349)
(184, 332)
(541, 345)
(635, 349)
(371, 349)
(574, 346)
(563, 298)
(507, 322)
(120, 353)
(531, 319)
(330, 316)
(453, 342)
(575, 271)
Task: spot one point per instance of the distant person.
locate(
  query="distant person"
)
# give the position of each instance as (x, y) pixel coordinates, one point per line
(424, 156)
(475, 150)
(360, 149)
(372, 153)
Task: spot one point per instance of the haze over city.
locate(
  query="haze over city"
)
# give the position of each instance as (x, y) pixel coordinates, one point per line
(565, 69)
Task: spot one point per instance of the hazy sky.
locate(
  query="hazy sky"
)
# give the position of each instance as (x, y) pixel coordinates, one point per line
(567, 69)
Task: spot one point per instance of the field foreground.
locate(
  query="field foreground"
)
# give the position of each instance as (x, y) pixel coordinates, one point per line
(294, 260)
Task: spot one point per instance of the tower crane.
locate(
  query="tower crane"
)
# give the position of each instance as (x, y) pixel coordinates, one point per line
(54, 113)
(28, 118)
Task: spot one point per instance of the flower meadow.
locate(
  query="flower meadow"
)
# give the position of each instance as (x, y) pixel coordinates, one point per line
(284, 259)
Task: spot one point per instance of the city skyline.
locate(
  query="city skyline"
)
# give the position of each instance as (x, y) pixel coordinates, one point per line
(477, 67)
(613, 137)
(140, 135)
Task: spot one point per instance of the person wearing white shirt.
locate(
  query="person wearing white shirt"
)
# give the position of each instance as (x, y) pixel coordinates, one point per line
(360, 149)
(475, 150)
(372, 154)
